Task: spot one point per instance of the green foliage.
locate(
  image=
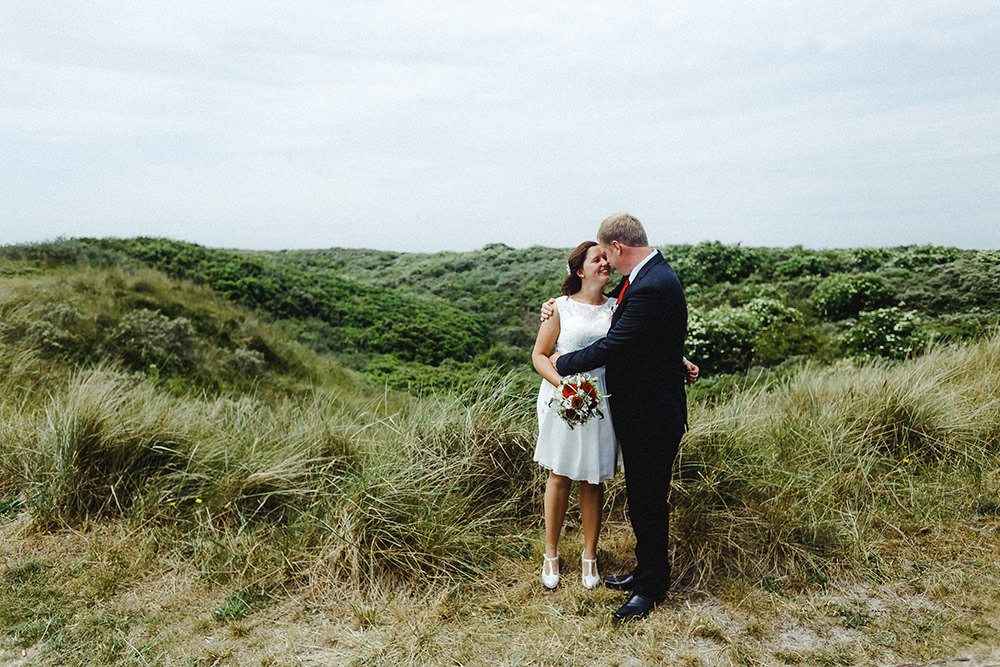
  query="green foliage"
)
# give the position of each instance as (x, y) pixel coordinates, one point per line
(184, 336)
(793, 342)
(726, 339)
(956, 287)
(420, 379)
(242, 603)
(711, 262)
(150, 338)
(499, 284)
(869, 259)
(891, 333)
(924, 256)
(398, 317)
(803, 263)
(843, 295)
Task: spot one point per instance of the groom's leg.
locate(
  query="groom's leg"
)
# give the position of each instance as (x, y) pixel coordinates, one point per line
(648, 467)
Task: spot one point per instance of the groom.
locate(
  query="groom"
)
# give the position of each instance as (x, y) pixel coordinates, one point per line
(643, 352)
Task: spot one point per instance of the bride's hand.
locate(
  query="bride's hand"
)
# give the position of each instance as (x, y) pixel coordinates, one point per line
(547, 309)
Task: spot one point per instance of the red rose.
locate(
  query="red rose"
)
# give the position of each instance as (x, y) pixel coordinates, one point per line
(588, 388)
(569, 390)
(577, 402)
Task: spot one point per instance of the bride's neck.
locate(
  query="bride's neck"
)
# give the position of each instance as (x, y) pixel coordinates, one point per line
(590, 293)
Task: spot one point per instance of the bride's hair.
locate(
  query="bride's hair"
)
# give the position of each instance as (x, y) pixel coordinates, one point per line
(573, 283)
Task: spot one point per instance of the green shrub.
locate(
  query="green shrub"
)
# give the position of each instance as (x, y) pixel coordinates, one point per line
(712, 262)
(54, 328)
(844, 295)
(914, 257)
(146, 338)
(869, 259)
(726, 338)
(370, 319)
(802, 265)
(891, 333)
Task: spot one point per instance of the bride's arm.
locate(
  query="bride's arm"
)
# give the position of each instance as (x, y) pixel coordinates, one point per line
(548, 334)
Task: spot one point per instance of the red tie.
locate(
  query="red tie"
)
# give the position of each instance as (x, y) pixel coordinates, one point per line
(622, 293)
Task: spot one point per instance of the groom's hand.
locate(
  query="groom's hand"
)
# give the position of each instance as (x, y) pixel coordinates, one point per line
(555, 355)
(691, 371)
(547, 309)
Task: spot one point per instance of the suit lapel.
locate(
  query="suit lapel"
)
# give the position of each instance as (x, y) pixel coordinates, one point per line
(647, 266)
(642, 272)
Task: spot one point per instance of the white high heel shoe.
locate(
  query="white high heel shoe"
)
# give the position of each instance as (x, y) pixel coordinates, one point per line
(589, 565)
(550, 580)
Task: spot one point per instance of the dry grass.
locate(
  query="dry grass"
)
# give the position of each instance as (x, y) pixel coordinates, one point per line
(161, 611)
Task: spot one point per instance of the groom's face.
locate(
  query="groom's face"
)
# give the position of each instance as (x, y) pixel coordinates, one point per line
(613, 252)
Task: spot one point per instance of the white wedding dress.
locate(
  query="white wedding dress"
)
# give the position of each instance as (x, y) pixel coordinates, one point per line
(587, 452)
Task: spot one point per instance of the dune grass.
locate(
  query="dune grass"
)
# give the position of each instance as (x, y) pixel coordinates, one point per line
(882, 473)
(833, 465)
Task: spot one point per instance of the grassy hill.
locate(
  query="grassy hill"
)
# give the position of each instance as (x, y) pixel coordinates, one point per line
(750, 307)
(428, 322)
(184, 479)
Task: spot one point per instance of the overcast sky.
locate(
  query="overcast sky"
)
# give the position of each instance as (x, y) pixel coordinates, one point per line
(428, 126)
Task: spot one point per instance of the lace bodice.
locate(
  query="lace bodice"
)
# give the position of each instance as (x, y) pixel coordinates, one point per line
(581, 324)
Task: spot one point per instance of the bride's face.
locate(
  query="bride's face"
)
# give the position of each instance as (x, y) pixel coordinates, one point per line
(596, 266)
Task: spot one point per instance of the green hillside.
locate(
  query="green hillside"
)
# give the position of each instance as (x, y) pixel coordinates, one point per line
(322, 309)
(749, 306)
(427, 322)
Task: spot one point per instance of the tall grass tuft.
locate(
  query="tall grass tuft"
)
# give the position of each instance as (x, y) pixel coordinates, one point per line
(441, 488)
(105, 438)
(327, 484)
(793, 482)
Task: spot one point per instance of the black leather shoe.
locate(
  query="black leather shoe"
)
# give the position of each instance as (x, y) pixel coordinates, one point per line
(620, 582)
(637, 606)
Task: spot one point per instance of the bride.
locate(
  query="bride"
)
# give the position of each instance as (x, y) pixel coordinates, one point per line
(588, 452)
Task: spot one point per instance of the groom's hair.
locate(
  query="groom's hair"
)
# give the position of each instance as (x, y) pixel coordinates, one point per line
(623, 228)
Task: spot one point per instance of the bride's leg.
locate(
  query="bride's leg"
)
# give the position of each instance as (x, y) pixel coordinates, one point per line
(556, 500)
(591, 501)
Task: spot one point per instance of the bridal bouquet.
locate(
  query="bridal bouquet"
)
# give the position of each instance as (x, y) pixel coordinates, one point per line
(577, 400)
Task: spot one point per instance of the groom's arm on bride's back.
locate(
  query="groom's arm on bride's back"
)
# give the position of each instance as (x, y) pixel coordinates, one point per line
(620, 337)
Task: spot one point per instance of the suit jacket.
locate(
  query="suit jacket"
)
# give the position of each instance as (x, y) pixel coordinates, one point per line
(643, 354)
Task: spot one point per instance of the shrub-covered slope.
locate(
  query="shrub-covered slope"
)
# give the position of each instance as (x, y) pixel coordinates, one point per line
(749, 306)
(327, 310)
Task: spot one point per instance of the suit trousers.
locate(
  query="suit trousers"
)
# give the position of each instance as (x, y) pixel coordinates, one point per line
(649, 460)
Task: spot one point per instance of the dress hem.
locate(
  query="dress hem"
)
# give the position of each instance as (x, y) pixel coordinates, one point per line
(575, 479)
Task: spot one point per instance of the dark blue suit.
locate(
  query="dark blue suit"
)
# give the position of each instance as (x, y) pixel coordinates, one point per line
(643, 353)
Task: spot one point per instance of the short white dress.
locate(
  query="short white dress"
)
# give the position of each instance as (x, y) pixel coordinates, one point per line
(588, 452)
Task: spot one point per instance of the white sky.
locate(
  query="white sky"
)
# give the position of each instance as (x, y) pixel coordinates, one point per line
(425, 126)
